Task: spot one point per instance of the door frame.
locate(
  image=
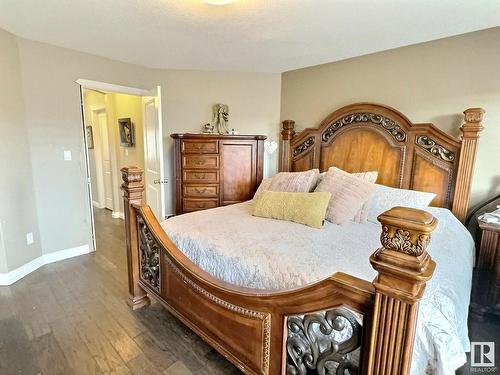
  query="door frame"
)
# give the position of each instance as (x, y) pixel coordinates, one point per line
(104, 86)
(155, 95)
(100, 193)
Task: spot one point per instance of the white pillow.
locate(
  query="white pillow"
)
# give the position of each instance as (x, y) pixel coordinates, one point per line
(386, 197)
(264, 185)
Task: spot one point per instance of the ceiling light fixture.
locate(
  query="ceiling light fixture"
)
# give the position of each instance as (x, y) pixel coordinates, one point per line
(219, 2)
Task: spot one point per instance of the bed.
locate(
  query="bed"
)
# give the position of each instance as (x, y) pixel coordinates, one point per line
(311, 313)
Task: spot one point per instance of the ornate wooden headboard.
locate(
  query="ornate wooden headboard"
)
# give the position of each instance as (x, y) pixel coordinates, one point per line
(367, 137)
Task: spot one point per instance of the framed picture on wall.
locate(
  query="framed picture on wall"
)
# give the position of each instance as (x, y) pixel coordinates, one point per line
(90, 137)
(127, 136)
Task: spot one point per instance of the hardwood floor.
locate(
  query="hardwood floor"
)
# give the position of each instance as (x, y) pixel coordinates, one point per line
(51, 324)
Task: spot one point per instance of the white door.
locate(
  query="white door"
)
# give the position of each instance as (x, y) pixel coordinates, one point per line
(154, 179)
(106, 161)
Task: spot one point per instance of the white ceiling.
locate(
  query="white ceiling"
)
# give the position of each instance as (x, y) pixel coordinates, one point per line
(249, 35)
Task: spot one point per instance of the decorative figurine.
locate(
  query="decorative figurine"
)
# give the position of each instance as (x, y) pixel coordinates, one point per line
(208, 128)
(221, 118)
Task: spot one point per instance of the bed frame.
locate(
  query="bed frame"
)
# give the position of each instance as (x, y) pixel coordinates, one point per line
(296, 331)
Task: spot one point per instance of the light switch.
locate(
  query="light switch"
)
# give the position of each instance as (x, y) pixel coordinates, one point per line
(29, 238)
(67, 155)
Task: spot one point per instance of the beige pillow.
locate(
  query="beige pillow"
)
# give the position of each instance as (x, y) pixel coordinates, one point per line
(295, 182)
(349, 193)
(303, 208)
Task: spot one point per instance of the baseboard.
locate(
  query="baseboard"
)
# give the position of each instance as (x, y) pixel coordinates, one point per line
(11, 277)
(97, 204)
(118, 215)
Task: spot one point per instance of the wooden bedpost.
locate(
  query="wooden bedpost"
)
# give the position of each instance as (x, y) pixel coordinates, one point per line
(470, 135)
(287, 134)
(133, 189)
(404, 267)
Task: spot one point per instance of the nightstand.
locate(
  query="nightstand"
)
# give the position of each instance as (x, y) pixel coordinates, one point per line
(486, 286)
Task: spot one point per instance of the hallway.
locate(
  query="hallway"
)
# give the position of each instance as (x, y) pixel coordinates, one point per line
(71, 317)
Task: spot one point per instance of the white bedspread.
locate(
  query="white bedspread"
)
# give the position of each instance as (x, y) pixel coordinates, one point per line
(231, 244)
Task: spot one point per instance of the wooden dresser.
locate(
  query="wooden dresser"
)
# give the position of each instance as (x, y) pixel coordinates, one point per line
(486, 286)
(216, 170)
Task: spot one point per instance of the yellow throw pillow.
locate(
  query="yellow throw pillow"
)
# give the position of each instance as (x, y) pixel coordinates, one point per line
(303, 208)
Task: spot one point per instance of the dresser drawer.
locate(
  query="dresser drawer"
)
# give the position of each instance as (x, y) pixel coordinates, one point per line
(201, 191)
(200, 161)
(189, 146)
(197, 177)
(199, 204)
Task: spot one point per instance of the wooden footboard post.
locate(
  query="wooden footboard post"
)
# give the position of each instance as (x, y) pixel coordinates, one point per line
(404, 267)
(470, 136)
(287, 134)
(133, 189)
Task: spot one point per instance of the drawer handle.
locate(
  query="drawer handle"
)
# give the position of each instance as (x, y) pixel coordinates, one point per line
(200, 162)
(201, 205)
(199, 146)
(200, 191)
(199, 176)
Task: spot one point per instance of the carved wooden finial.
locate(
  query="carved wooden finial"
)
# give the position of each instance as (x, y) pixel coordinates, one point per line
(404, 267)
(288, 130)
(406, 230)
(132, 185)
(474, 114)
(472, 125)
(471, 129)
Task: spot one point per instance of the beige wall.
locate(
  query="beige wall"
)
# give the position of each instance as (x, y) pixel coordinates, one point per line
(18, 214)
(53, 123)
(188, 97)
(429, 82)
(53, 118)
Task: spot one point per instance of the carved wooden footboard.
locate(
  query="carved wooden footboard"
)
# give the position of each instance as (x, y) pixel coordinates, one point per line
(339, 325)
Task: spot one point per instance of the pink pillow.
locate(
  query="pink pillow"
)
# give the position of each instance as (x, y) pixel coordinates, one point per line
(295, 182)
(349, 194)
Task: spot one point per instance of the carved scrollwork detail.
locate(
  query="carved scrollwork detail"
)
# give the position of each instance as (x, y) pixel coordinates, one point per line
(390, 125)
(149, 267)
(303, 146)
(401, 241)
(434, 148)
(474, 115)
(313, 344)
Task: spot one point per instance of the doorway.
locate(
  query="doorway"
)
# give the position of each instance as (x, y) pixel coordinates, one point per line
(121, 127)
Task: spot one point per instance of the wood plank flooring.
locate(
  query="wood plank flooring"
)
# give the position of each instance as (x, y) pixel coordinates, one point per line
(71, 317)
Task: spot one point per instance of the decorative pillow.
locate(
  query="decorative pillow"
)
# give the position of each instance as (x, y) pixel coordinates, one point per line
(303, 208)
(264, 185)
(349, 193)
(386, 197)
(362, 214)
(295, 182)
